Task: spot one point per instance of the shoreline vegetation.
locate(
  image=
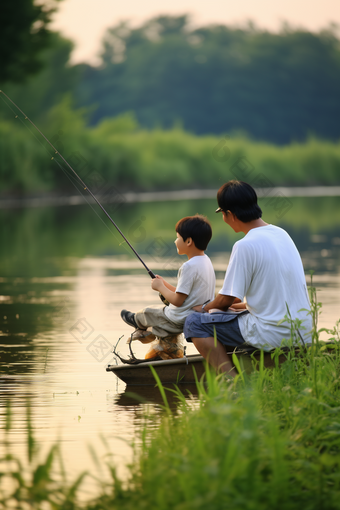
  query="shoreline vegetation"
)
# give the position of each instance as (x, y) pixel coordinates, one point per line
(268, 440)
(117, 153)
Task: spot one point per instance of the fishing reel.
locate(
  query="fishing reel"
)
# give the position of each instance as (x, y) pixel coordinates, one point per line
(162, 298)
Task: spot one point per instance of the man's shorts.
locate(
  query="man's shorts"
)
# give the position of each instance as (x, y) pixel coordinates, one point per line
(203, 325)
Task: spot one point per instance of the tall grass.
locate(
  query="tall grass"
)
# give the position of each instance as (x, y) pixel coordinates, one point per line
(270, 440)
(132, 158)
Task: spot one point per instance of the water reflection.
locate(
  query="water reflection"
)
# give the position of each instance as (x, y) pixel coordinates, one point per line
(138, 396)
(41, 242)
(64, 279)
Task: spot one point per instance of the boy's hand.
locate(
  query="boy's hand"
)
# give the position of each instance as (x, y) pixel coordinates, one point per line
(165, 283)
(157, 283)
(173, 297)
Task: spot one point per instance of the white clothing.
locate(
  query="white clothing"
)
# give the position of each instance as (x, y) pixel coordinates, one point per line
(196, 278)
(265, 268)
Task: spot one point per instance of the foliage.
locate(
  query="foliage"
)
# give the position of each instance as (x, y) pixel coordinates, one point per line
(130, 158)
(23, 35)
(38, 484)
(46, 89)
(217, 79)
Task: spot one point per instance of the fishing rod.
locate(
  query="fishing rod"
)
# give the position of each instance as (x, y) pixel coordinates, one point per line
(151, 274)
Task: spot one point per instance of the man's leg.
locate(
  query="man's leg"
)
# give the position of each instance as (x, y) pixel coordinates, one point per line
(215, 354)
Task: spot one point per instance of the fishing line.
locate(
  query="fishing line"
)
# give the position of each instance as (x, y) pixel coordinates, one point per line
(151, 274)
(68, 174)
(70, 177)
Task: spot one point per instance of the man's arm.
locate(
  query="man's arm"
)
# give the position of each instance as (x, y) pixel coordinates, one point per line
(221, 302)
(175, 298)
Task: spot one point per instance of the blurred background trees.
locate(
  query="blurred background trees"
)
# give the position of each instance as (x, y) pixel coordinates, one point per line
(23, 35)
(217, 79)
(212, 80)
(164, 95)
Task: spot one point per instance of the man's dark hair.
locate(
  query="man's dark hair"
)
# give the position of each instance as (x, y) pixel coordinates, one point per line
(197, 227)
(239, 198)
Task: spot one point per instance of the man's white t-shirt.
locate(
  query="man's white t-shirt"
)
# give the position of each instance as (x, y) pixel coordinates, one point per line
(196, 278)
(265, 267)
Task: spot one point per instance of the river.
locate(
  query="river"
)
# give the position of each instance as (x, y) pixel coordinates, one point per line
(65, 274)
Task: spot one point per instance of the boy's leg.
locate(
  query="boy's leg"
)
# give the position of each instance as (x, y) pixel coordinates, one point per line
(169, 343)
(154, 317)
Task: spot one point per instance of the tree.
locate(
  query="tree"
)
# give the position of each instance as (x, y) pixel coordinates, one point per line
(46, 88)
(23, 35)
(218, 79)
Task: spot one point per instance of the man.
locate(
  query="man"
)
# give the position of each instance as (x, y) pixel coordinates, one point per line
(265, 268)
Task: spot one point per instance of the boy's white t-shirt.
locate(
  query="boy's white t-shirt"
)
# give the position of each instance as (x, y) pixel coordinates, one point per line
(265, 267)
(196, 278)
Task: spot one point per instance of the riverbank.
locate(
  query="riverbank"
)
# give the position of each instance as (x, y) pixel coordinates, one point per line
(160, 196)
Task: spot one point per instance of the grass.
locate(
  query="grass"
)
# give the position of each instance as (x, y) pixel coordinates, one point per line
(270, 440)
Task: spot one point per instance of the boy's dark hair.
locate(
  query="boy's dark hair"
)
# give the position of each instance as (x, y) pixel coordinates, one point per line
(239, 198)
(197, 227)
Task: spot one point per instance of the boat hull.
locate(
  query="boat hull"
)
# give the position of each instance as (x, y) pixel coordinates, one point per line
(182, 371)
(176, 371)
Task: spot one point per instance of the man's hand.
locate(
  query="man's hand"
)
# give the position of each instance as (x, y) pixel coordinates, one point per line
(221, 302)
(211, 310)
(236, 307)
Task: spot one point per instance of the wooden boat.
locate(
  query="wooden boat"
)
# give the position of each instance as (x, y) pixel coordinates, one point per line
(177, 371)
(182, 370)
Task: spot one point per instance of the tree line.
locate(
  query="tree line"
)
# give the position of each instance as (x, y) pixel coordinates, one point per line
(216, 79)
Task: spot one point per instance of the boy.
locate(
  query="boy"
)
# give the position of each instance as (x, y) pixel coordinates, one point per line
(196, 281)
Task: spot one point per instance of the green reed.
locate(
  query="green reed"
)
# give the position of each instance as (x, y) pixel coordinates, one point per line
(268, 440)
(122, 152)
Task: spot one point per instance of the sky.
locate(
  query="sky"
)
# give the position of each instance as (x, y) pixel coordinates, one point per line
(85, 21)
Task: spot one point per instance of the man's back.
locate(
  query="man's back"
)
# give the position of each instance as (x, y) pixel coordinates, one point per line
(266, 268)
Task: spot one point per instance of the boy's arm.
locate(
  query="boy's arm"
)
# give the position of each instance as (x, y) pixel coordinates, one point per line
(175, 298)
(168, 285)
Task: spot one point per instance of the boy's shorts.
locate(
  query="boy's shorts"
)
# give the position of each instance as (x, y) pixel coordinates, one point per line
(203, 325)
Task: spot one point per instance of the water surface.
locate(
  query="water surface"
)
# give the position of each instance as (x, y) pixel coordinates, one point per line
(66, 274)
